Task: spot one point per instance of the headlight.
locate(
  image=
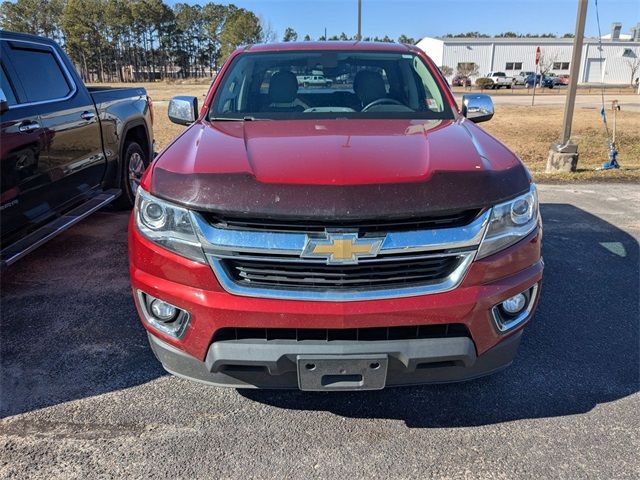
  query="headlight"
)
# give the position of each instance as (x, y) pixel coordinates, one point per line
(167, 225)
(510, 222)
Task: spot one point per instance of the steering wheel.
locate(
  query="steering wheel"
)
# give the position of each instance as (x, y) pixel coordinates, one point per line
(382, 101)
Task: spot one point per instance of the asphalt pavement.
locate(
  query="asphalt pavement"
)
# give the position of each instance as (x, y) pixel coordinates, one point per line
(83, 397)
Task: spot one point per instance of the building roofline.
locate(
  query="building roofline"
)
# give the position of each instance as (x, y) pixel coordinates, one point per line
(526, 40)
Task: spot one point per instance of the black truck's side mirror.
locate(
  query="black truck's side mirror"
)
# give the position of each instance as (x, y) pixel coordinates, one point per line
(4, 105)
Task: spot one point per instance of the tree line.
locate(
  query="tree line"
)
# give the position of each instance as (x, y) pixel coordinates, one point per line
(290, 35)
(506, 35)
(135, 40)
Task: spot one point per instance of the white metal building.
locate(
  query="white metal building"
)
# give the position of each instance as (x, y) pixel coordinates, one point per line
(513, 55)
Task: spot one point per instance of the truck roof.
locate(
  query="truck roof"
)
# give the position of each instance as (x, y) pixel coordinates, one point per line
(329, 45)
(8, 35)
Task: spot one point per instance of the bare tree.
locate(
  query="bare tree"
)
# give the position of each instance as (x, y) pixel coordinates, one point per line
(446, 71)
(634, 65)
(546, 63)
(269, 35)
(467, 69)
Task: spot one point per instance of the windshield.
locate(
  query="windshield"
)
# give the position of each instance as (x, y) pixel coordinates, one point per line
(329, 84)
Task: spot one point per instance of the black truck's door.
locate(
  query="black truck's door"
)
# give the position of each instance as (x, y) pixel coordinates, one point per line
(72, 161)
(22, 173)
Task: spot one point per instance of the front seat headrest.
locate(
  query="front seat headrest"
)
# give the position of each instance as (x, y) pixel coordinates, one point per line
(369, 86)
(283, 87)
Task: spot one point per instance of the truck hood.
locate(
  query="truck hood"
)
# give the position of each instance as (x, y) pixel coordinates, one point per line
(337, 168)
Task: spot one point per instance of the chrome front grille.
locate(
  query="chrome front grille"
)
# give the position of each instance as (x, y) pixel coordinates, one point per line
(317, 276)
(258, 262)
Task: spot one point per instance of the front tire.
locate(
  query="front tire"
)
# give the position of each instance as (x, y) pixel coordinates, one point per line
(134, 164)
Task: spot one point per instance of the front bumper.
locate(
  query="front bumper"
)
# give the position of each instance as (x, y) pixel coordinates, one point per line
(263, 365)
(193, 287)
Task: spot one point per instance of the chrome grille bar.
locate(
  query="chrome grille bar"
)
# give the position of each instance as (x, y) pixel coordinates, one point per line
(234, 254)
(222, 240)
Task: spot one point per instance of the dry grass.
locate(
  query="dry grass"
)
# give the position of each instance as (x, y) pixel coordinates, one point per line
(528, 131)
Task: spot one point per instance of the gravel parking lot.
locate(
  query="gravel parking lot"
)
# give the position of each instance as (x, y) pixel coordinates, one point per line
(83, 397)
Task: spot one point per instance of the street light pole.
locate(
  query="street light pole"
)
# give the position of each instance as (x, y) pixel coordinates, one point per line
(563, 157)
(359, 20)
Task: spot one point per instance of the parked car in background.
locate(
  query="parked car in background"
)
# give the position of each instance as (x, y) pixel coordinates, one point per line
(521, 78)
(314, 81)
(350, 240)
(564, 79)
(461, 81)
(551, 80)
(66, 150)
(500, 79)
(533, 78)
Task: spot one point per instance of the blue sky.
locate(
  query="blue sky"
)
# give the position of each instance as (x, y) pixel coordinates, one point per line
(420, 18)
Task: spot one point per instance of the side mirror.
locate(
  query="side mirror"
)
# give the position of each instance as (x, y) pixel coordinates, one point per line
(4, 105)
(477, 107)
(183, 110)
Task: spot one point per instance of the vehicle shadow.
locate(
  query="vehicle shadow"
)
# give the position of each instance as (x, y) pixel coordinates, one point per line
(581, 350)
(68, 325)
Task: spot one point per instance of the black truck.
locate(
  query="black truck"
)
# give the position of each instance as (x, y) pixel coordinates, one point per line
(66, 150)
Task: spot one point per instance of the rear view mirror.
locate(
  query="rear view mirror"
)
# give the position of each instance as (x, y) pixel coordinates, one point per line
(4, 105)
(477, 107)
(183, 110)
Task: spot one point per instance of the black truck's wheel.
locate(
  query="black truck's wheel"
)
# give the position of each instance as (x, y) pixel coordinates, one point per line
(134, 164)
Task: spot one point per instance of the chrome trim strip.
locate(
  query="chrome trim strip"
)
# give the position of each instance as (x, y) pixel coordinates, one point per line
(437, 239)
(450, 283)
(63, 67)
(504, 327)
(221, 241)
(230, 256)
(245, 241)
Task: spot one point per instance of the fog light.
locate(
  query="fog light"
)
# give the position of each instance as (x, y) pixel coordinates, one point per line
(515, 310)
(163, 311)
(514, 304)
(163, 316)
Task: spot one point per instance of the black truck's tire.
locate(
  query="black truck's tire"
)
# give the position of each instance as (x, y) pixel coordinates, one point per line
(134, 163)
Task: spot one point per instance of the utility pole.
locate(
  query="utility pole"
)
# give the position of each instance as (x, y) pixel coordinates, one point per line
(563, 156)
(359, 37)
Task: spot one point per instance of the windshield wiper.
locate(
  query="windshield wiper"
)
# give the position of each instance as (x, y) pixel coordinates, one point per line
(247, 118)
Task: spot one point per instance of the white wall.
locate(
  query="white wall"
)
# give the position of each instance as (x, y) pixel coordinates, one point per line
(493, 56)
(433, 47)
(478, 53)
(527, 55)
(616, 70)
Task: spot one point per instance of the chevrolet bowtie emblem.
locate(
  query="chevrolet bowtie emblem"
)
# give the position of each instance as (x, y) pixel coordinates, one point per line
(341, 248)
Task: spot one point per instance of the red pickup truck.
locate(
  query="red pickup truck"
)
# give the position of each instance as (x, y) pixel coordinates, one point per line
(361, 235)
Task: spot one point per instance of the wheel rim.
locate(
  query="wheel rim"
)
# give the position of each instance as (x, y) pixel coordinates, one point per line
(136, 170)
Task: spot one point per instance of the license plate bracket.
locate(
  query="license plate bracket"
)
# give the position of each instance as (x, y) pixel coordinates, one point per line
(342, 372)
